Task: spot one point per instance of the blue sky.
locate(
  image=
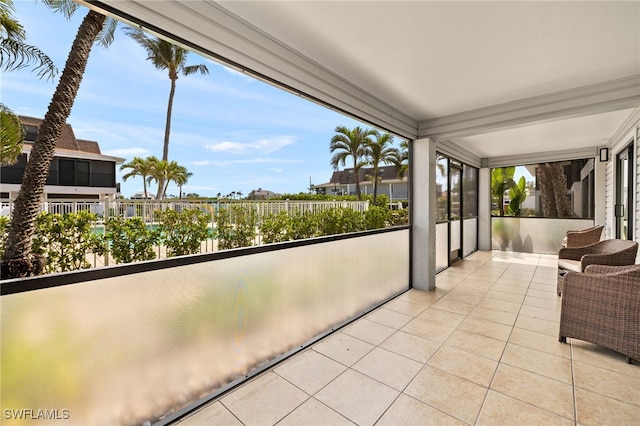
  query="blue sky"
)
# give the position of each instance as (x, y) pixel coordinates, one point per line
(233, 132)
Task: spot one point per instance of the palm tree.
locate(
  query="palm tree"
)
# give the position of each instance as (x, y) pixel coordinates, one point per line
(15, 53)
(172, 171)
(139, 167)
(350, 143)
(18, 259)
(157, 170)
(182, 177)
(401, 161)
(166, 56)
(379, 150)
(11, 136)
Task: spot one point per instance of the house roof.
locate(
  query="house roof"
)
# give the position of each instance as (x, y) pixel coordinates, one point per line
(387, 173)
(68, 145)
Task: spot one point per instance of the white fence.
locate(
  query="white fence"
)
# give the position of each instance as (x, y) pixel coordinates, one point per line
(145, 208)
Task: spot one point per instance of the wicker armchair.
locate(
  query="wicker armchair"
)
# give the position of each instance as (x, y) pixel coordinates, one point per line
(583, 237)
(607, 252)
(602, 306)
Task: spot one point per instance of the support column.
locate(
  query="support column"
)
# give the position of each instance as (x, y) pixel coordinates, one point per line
(484, 209)
(423, 214)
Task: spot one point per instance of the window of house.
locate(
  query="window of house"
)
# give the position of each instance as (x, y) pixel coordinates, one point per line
(30, 132)
(66, 172)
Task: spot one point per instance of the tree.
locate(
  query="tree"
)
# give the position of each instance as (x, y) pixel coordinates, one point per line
(15, 53)
(501, 181)
(401, 160)
(11, 136)
(379, 150)
(182, 177)
(138, 167)
(350, 143)
(553, 190)
(166, 56)
(18, 259)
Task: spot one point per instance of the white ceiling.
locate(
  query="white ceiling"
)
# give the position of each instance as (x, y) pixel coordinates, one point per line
(423, 61)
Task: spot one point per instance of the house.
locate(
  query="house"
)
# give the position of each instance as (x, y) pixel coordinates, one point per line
(343, 182)
(261, 194)
(78, 170)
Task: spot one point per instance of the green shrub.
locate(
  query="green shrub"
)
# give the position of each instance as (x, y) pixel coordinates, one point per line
(65, 240)
(303, 225)
(4, 233)
(398, 217)
(236, 227)
(275, 227)
(183, 232)
(340, 221)
(376, 217)
(130, 240)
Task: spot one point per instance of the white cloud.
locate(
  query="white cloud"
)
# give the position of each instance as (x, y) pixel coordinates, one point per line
(276, 169)
(262, 146)
(201, 163)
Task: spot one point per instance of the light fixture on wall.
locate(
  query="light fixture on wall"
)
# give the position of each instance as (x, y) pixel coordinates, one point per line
(604, 154)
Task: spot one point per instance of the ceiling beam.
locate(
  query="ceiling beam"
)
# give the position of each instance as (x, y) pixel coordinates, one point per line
(597, 98)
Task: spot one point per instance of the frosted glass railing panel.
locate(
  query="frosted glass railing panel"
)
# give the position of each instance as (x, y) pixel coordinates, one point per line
(470, 236)
(132, 348)
(532, 235)
(442, 246)
(455, 235)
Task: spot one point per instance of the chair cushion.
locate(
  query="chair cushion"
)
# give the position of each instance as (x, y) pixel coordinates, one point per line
(570, 265)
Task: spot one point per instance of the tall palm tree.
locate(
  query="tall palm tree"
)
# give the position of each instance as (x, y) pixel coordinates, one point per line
(15, 53)
(166, 56)
(350, 143)
(18, 260)
(379, 150)
(138, 167)
(171, 172)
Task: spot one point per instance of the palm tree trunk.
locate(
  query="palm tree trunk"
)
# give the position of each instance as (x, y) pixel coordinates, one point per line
(18, 260)
(167, 133)
(356, 173)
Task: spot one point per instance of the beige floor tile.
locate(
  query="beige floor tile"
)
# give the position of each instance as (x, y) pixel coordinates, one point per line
(388, 367)
(542, 313)
(343, 348)
(501, 317)
(475, 368)
(507, 288)
(538, 325)
(514, 280)
(423, 328)
(310, 371)
(411, 346)
(500, 305)
(369, 331)
(506, 294)
(477, 344)
(550, 286)
(608, 383)
(462, 297)
(540, 342)
(500, 409)
(452, 306)
(543, 294)
(211, 415)
(486, 328)
(542, 392)
(264, 400)
(553, 305)
(442, 317)
(453, 395)
(475, 283)
(426, 298)
(599, 356)
(359, 398)
(389, 318)
(405, 306)
(596, 409)
(409, 411)
(542, 363)
(314, 413)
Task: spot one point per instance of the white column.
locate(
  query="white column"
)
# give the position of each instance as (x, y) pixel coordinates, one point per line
(484, 209)
(423, 216)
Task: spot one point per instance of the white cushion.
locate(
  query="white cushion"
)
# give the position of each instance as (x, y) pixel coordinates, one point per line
(570, 265)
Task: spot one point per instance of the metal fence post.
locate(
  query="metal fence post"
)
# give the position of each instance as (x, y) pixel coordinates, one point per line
(106, 214)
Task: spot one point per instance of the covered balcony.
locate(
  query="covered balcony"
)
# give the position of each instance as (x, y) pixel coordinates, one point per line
(428, 323)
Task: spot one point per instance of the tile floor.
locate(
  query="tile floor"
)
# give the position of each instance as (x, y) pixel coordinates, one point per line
(482, 349)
